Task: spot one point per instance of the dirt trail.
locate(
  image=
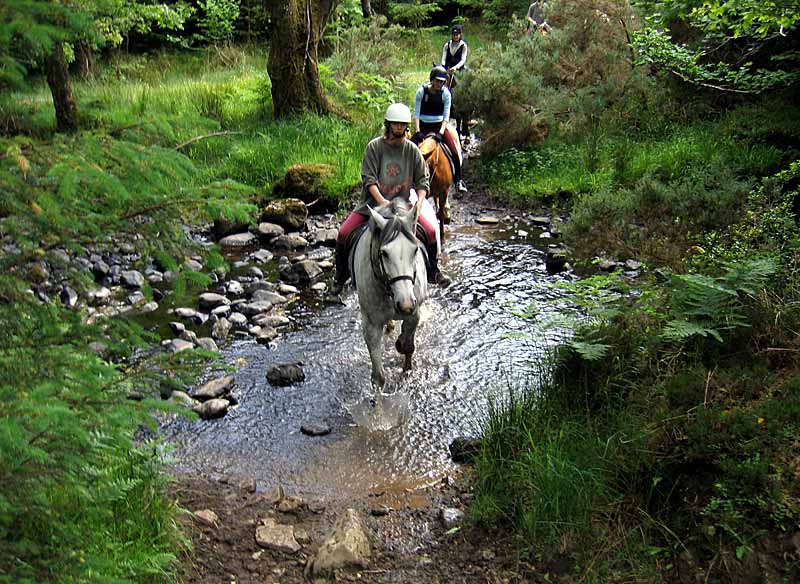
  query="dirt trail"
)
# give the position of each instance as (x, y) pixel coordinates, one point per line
(411, 542)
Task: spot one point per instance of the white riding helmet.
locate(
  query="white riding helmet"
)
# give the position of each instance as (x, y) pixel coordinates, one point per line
(398, 112)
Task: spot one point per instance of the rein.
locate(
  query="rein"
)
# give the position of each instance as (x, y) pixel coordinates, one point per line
(376, 262)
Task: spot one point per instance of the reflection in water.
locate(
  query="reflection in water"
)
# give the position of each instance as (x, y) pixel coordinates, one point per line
(472, 347)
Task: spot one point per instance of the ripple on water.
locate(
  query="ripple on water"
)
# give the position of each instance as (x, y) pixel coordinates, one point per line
(473, 346)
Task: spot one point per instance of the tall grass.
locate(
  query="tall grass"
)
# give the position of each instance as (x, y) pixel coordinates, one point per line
(544, 474)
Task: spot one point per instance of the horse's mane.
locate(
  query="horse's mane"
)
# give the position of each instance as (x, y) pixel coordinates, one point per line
(427, 146)
(397, 212)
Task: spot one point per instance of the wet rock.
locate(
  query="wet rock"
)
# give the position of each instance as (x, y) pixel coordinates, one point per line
(214, 388)
(207, 517)
(272, 535)
(541, 221)
(223, 227)
(254, 287)
(221, 329)
(207, 344)
(239, 240)
(148, 307)
(68, 296)
(555, 259)
(487, 220)
(290, 504)
(234, 288)
(268, 296)
(182, 398)
(254, 308)
(100, 269)
(286, 374)
(189, 336)
(632, 265)
(135, 298)
(177, 345)
(289, 213)
(290, 242)
(238, 320)
(319, 287)
(100, 296)
(185, 313)
(255, 272)
(132, 279)
(607, 265)
(287, 290)
(177, 327)
(306, 272)
(262, 256)
(325, 237)
(320, 254)
(315, 428)
(271, 320)
(210, 300)
(464, 449)
(451, 517)
(347, 545)
(191, 265)
(264, 335)
(269, 231)
(221, 311)
(213, 408)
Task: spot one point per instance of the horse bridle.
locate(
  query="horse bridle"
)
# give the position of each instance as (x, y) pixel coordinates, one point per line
(376, 259)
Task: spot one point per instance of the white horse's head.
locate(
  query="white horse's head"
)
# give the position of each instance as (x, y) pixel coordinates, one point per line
(394, 227)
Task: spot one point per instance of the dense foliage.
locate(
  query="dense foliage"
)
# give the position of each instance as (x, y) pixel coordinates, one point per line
(665, 429)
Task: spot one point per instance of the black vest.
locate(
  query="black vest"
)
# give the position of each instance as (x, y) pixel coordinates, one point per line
(432, 103)
(453, 58)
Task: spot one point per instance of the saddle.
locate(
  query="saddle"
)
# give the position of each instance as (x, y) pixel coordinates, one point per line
(355, 235)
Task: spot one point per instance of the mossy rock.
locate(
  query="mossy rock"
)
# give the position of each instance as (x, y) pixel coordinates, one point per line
(291, 214)
(311, 184)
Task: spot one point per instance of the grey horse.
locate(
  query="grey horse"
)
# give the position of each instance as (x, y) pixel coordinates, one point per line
(390, 277)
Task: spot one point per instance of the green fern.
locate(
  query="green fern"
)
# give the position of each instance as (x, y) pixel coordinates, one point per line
(705, 305)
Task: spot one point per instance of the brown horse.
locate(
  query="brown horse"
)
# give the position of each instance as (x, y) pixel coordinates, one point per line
(441, 178)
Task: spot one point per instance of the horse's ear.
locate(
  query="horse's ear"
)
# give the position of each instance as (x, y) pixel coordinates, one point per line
(379, 220)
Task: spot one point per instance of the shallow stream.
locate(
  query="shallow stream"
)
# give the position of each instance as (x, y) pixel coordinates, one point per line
(473, 347)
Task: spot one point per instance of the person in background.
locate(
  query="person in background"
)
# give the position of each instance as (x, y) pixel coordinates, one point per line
(537, 21)
(431, 115)
(454, 52)
(454, 59)
(392, 166)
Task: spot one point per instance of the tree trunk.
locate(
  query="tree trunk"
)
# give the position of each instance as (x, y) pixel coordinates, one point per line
(61, 88)
(366, 9)
(84, 58)
(297, 26)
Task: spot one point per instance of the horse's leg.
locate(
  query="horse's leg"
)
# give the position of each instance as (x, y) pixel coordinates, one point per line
(373, 335)
(405, 342)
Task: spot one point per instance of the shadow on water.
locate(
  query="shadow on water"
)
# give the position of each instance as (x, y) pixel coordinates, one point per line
(472, 346)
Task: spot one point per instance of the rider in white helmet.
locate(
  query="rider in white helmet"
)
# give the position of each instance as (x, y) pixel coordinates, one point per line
(392, 166)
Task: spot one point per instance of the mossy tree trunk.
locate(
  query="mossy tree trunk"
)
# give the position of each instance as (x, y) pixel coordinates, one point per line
(366, 8)
(84, 58)
(293, 57)
(61, 87)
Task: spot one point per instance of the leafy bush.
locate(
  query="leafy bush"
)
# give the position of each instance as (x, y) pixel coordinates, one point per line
(532, 86)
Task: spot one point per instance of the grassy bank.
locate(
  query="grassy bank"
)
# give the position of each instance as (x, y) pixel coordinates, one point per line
(664, 446)
(167, 140)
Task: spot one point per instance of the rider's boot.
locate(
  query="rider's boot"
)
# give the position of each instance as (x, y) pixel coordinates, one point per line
(462, 188)
(342, 269)
(435, 275)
